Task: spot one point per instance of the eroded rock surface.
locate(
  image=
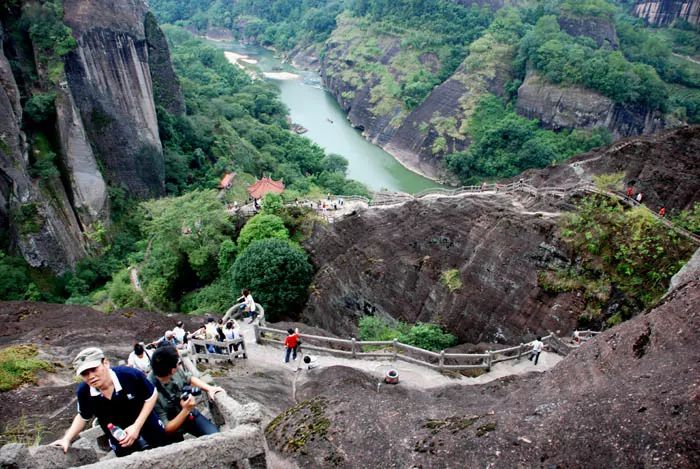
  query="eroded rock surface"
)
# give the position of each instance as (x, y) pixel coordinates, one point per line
(665, 12)
(628, 398)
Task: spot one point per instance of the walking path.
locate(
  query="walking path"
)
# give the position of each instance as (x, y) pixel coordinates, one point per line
(414, 376)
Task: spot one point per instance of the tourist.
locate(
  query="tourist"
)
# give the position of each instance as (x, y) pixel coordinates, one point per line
(167, 339)
(630, 191)
(291, 342)
(232, 334)
(140, 359)
(639, 198)
(537, 346)
(662, 212)
(176, 396)
(179, 332)
(248, 304)
(119, 396)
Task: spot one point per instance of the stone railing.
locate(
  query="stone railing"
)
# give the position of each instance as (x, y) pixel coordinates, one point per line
(395, 350)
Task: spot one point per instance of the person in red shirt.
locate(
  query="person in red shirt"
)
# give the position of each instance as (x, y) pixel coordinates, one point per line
(290, 342)
(630, 191)
(662, 212)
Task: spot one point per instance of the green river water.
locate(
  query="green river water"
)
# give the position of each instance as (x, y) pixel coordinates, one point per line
(315, 109)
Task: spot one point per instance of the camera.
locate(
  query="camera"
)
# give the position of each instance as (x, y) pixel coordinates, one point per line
(188, 390)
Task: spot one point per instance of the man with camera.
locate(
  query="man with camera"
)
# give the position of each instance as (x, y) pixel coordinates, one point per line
(177, 390)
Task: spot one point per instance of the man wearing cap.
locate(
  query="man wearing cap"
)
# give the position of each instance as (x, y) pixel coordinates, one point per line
(120, 396)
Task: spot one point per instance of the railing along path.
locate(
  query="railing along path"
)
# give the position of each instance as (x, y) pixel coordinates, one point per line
(395, 350)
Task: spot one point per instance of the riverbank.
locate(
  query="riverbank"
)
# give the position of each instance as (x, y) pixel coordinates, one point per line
(239, 60)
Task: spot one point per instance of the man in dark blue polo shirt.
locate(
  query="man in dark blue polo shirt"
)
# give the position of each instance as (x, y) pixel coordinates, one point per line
(120, 396)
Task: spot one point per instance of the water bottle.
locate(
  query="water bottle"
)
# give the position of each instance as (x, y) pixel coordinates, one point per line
(116, 432)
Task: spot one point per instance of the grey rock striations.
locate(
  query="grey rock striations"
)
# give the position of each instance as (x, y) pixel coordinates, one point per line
(110, 79)
(665, 12)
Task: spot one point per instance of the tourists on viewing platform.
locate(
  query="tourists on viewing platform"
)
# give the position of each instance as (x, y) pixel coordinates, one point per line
(176, 396)
(537, 346)
(291, 343)
(119, 396)
(140, 359)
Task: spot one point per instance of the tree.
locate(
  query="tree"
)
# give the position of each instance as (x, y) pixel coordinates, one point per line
(429, 337)
(262, 226)
(277, 273)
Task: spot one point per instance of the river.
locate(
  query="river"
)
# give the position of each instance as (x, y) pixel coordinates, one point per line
(316, 110)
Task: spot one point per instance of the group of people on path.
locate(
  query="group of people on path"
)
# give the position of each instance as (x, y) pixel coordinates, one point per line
(638, 197)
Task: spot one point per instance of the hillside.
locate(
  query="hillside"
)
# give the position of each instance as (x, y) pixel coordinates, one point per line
(414, 75)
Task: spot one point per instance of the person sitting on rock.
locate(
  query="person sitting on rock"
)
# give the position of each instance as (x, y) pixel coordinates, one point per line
(176, 396)
(140, 359)
(120, 396)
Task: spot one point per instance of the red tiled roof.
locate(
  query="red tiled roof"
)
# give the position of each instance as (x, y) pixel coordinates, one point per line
(263, 186)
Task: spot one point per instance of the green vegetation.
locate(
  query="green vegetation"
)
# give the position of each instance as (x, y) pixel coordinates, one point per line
(451, 280)
(609, 182)
(625, 256)
(689, 219)
(426, 336)
(19, 365)
(23, 432)
(505, 144)
(14, 278)
(277, 272)
(262, 226)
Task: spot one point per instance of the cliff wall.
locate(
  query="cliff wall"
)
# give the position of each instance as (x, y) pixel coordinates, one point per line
(389, 262)
(110, 78)
(665, 12)
(104, 131)
(38, 217)
(574, 107)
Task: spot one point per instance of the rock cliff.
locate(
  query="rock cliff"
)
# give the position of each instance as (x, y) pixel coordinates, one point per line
(38, 218)
(574, 107)
(389, 262)
(665, 12)
(104, 132)
(110, 78)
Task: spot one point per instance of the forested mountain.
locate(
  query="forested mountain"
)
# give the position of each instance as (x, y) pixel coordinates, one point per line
(413, 74)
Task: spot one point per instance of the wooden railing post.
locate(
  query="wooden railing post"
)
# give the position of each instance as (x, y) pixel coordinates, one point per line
(256, 329)
(520, 351)
(441, 364)
(489, 359)
(395, 348)
(353, 343)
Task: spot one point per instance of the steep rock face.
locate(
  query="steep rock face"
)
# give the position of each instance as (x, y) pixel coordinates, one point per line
(665, 12)
(576, 107)
(166, 88)
(110, 79)
(88, 188)
(389, 262)
(664, 167)
(46, 233)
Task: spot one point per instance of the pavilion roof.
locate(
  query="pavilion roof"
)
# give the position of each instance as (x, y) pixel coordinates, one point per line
(264, 186)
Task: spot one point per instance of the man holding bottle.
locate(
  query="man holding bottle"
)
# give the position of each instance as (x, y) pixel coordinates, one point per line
(120, 398)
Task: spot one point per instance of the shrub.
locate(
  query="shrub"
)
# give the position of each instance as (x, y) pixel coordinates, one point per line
(40, 107)
(262, 226)
(14, 278)
(19, 365)
(277, 273)
(451, 280)
(429, 337)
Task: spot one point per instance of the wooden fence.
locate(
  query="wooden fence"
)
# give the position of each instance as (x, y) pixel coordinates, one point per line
(395, 350)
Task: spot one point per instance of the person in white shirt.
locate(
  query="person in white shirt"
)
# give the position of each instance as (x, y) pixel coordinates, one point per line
(140, 359)
(179, 332)
(248, 304)
(537, 346)
(232, 334)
